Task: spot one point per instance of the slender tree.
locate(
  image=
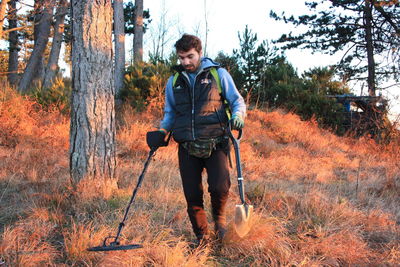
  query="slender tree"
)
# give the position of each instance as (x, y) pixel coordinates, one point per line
(25, 37)
(130, 22)
(252, 58)
(138, 32)
(368, 19)
(52, 63)
(92, 134)
(206, 30)
(3, 9)
(43, 19)
(119, 36)
(161, 35)
(13, 43)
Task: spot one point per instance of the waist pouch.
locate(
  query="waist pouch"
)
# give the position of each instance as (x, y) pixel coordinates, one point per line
(203, 148)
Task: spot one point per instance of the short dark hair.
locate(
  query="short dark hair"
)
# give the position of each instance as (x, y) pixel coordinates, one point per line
(187, 42)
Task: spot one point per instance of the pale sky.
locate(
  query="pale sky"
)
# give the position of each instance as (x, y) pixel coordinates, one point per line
(225, 19)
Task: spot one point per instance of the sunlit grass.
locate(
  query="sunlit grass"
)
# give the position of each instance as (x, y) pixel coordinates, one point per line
(320, 200)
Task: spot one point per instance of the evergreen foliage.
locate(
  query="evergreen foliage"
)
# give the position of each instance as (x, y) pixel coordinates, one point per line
(129, 15)
(145, 83)
(3, 61)
(367, 33)
(55, 98)
(267, 79)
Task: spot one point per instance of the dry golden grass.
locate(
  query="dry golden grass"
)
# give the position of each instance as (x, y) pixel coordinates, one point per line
(320, 200)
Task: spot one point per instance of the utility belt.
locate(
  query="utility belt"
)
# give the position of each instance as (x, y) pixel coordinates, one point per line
(203, 148)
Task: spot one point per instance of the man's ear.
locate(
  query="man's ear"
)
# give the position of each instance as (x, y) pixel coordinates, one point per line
(201, 53)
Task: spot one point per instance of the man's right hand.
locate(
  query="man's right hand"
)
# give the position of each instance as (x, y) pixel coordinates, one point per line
(155, 139)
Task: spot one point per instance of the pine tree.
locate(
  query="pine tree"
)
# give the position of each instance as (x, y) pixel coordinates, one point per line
(367, 31)
(92, 134)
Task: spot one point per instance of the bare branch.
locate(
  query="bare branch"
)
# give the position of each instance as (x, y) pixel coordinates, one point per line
(387, 17)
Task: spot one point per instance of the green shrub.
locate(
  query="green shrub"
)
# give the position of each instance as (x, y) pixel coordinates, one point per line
(57, 97)
(327, 112)
(144, 84)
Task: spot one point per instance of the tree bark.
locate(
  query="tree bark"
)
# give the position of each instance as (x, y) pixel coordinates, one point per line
(119, 33)
(3, 9)
(34, 67)
(52, 63)
(138, 32)
(13, 44)
(92, 132)
(370, 47)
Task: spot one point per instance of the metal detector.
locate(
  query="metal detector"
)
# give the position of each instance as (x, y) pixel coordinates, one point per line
(115, 245)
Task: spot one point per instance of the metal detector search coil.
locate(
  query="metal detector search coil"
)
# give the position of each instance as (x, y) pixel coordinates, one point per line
(115, 245)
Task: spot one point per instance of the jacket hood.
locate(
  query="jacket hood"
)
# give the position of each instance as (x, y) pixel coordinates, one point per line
(208, 63)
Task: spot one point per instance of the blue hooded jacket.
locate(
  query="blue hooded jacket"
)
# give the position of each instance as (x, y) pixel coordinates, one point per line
(229, 92)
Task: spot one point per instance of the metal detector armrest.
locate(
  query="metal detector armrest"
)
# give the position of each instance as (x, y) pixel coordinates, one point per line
(166, 140)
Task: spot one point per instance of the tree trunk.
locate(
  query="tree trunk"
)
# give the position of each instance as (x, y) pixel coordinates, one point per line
(3, 9)
(13, 44)
(92, 133)
(119, 33)
(43, 19)
(52, 63)
(138, 32)
(370, 48)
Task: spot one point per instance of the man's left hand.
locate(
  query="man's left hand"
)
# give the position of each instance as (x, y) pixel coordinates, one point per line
(237, 122)
(155, 139)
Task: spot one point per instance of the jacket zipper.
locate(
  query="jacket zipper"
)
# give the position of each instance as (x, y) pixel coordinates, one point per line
(192, 87)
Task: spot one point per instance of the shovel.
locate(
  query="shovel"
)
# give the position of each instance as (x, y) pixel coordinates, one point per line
(243, 211)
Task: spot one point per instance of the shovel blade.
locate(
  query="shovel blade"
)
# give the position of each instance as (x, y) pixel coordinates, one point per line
(243, 214)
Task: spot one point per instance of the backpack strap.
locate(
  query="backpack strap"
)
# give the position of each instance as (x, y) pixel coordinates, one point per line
(214, 73)
(174, 79)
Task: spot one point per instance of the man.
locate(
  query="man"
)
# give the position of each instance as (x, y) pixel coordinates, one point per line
(197, 116)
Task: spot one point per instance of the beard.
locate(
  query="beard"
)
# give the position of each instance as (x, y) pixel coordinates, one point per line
(191, 67)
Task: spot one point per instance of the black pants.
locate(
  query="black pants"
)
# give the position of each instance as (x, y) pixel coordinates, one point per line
(219, 183)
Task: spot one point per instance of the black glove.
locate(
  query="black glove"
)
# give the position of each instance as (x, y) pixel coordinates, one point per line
(155, 139)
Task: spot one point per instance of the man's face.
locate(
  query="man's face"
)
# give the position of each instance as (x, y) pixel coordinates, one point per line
(190, 60)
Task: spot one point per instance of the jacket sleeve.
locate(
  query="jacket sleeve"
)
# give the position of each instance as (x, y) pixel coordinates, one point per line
(231, 93)
(169, 107)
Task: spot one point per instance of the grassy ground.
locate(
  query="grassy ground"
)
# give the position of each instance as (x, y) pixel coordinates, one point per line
(320, 200)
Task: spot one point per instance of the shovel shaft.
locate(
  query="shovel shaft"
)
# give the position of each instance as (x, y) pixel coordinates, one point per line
(236, 146)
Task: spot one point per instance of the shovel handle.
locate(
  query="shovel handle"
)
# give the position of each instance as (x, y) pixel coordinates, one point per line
(229, 130)
(236, 143)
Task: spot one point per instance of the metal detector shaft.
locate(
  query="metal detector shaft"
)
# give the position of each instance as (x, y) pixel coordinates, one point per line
(138, 185)
(115, 244)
